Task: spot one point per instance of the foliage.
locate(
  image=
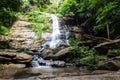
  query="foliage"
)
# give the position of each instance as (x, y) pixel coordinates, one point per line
(3, 30)
(39, 22)
(68, 7)
(13, 5)
(95, 14)
(8, 10)
(116, 51)
(77, 51)
(52, 8)
(39, 3)
(36, 5)
(80, 52)
(91, 61)
(74, 42)
(83, 55)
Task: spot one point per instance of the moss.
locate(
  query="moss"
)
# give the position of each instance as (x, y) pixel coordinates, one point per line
(3, 29)
(80, 52)
(90, 61)
(74, 42)
(115, 50)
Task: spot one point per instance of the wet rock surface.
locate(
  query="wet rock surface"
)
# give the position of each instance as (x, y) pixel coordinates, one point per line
(55, 54)
(58, 64)
(12, 73)
(76, 32)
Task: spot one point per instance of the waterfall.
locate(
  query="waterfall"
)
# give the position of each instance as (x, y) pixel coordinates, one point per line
(55, 32)
(59, 36)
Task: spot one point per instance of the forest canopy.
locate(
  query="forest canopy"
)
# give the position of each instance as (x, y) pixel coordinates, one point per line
(96, 15)
(99, 17)
(8, 12)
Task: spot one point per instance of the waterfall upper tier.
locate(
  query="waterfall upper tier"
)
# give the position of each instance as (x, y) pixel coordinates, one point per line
(59, 35)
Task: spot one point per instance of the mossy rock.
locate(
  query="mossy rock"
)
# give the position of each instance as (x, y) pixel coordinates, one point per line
(90, 61)
(110, 64)
(113, 53)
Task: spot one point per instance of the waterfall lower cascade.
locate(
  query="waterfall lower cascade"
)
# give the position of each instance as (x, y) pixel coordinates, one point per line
(59, 36)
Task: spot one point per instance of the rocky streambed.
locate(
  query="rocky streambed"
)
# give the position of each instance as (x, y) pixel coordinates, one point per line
(14, 67)
(14, 73)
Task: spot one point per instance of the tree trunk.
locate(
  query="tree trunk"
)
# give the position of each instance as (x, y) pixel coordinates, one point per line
(108, 31)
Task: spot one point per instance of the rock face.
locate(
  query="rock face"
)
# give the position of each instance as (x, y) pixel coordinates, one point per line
(22, 37)
(14, 57)
(75, 29)
(4, 42)
(55, 54)
(76, 32)
(110, 64)
(62, 54)
(47, 53)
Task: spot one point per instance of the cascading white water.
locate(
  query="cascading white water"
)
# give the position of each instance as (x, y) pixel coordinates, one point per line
(55, 36)
(59, 36)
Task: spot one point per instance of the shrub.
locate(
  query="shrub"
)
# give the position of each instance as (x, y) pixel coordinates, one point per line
(90, 61)
(3, 29)
(39, 22)
(80, 52)
(74, 42)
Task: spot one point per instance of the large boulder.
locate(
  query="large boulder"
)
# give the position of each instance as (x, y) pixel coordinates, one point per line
(110, 64)
(47, 53)
(56, 53)
(76, 32)
(58, 64)
(113, 53)
(75, 35)
(75, 29)
(68, 20)
(62, 54)
(14, 57)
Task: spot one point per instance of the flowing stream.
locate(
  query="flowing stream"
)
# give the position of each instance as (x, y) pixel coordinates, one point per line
(59, 36)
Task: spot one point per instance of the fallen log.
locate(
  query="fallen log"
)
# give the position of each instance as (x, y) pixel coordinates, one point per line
(91, 41)
(103, 47)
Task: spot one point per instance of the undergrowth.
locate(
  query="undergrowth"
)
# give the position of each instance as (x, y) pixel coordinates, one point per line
(83, 55)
